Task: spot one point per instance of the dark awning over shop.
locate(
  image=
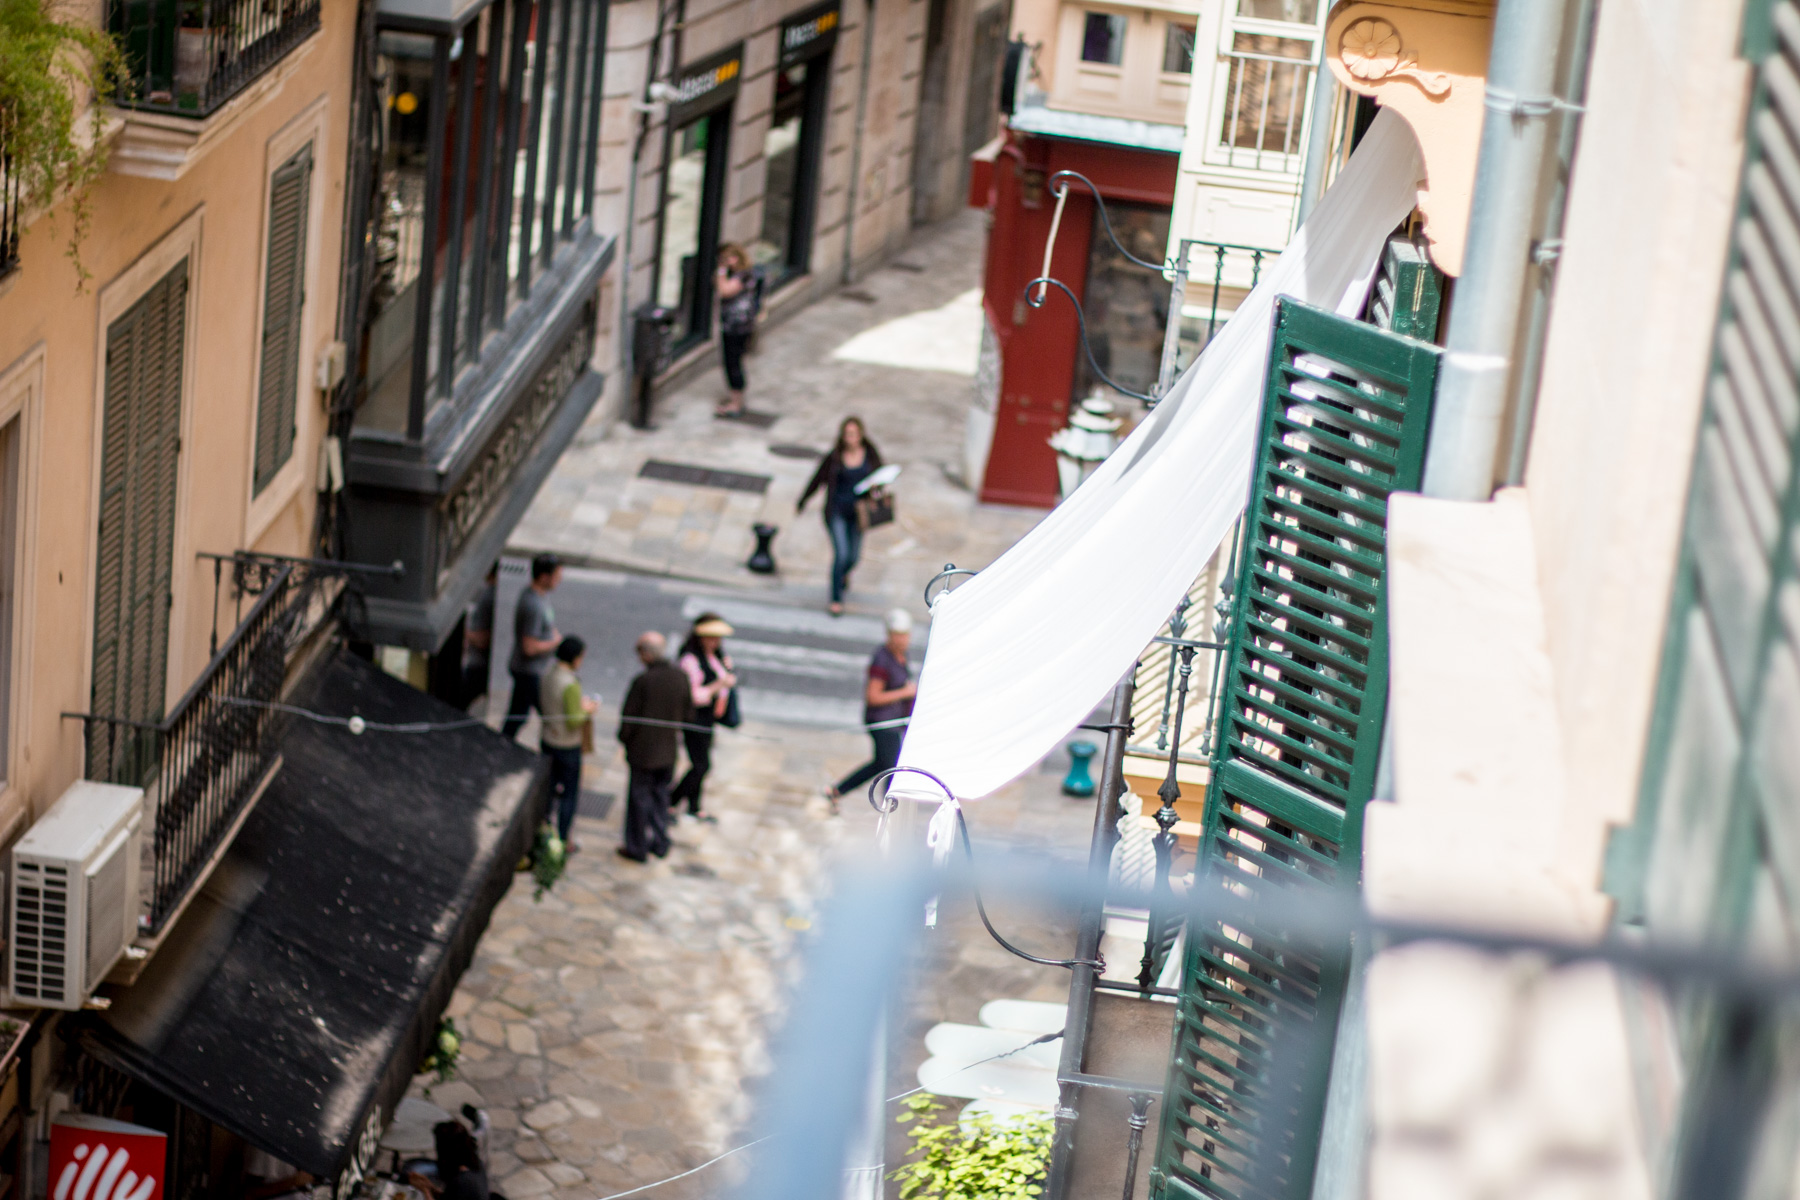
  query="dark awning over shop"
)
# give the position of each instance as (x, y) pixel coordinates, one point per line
(296, 996)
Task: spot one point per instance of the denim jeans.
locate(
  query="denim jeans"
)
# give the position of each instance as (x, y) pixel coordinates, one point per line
(846, 548)
(565, 785)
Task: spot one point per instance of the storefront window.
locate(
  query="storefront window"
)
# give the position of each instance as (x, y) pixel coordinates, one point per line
(486, 146)
(690, 222)
(781, 156)
(1126, 306)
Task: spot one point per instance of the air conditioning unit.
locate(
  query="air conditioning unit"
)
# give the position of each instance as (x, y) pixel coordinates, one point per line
(73, 893)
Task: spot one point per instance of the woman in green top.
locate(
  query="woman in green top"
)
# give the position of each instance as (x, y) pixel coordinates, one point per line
(567, 715)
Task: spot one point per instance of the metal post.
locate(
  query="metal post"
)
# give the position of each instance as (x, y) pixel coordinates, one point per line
(1171, 347)
(1318, 139)
(1484, 321)
(1166, 818)
(1139, 1118)
(1087, 941)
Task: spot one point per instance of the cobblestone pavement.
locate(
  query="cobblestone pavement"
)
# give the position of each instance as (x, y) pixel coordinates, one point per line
(615, 1029)
(808, 371)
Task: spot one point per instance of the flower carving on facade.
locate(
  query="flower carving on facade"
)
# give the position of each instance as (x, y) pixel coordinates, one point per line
(1371, 50)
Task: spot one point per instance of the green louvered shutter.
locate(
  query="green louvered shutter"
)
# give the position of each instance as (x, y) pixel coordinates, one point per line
(1713, 853)
(1408, 290)
(284, 298)
(140, 437)
(1344, 423)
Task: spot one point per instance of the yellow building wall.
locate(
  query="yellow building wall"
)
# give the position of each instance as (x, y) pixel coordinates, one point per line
(53, 331)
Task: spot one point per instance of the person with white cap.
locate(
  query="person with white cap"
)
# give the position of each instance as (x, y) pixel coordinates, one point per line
(711, 681)
(887, 704)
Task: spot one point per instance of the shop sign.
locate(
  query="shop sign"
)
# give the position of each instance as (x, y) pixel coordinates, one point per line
(809, 33)
(706, 85)
(362, 1156)
(485, 484)
(93, 1158)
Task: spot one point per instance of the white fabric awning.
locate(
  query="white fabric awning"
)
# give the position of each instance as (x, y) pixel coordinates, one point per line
(1023, 652)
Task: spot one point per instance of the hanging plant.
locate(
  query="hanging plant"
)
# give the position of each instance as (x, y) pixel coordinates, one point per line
(446, 1049)
(982, 1160)
(48, 68)
(548, 858)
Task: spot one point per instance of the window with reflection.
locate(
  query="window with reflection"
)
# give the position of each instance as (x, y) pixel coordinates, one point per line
(1270, 52)
(1103, 38)
(484, 159)
(694, 191)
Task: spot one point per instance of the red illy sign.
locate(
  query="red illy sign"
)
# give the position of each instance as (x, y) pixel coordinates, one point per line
(92, 1158)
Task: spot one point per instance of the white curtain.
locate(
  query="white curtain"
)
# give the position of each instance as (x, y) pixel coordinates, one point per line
(1021, 653)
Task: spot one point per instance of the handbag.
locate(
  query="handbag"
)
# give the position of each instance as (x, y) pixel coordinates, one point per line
(875, 507)
(731, 718)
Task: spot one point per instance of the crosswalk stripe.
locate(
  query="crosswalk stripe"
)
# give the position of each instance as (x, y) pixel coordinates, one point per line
(798, 660)
(792, 708)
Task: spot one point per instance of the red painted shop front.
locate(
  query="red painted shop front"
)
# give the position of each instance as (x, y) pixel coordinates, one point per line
(1039, 348)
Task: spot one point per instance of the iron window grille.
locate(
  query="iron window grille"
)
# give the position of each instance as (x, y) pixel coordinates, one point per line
(1262, 90)
(485, 149)
(188, 57)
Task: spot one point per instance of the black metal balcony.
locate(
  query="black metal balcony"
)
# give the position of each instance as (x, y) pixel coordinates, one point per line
(188, 57)
(203, 764)
(12, 199)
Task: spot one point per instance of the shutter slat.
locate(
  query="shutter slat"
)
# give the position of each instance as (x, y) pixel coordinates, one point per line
(134, 569)
(1345, 411)
(284, 300)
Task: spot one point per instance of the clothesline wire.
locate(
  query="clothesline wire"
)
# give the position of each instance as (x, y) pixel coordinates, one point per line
(470, 722)
(1037, 1041)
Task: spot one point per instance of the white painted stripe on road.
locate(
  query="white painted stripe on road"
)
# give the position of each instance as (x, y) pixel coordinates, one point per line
(776, 618)
(791, 708)
(798, 660)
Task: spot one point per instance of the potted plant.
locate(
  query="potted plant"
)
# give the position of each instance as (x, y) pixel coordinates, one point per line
(53, 73)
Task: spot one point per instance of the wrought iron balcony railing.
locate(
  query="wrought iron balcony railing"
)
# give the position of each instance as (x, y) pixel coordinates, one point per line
(12, 199)
(188, 57)
(202, 765)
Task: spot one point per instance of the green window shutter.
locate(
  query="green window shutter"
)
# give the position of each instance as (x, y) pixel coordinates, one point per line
(1713, 852)
(1408, 290)
(133, 572)
(1344, 422)
(284, 298)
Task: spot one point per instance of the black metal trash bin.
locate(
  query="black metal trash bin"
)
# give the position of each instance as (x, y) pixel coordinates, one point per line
(650, 329)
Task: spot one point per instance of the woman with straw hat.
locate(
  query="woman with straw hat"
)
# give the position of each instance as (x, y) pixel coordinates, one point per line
(711, 683)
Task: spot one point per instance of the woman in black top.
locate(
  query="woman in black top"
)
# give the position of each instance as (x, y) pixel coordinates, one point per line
(847, 464)
(740, 296)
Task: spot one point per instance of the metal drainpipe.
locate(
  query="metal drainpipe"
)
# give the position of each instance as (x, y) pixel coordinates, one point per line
(1318, 140)
(847, 274)
(1547, 243)
(1485, 312)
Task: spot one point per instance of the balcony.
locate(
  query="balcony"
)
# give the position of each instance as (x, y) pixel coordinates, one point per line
(204, 765)
(12, 199)
(189, 57)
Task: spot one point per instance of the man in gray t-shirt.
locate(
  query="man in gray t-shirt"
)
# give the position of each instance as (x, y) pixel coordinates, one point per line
(535, 638)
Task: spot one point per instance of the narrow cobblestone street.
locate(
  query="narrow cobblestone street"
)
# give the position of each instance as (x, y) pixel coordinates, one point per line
(615, 1028)
(837, 357)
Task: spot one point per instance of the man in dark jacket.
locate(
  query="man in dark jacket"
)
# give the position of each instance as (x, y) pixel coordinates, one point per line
(655, 706)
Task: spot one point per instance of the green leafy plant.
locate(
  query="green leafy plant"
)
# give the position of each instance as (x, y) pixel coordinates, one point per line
(446, 1049)
(548, 858)
(48, 68)
(986, 1160)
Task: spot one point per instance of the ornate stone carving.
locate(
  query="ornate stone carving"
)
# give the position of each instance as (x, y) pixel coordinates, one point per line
(1426, 60)
(1371, 50)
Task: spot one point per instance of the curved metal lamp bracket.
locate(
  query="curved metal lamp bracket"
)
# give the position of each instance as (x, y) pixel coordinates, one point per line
(1043, 282)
